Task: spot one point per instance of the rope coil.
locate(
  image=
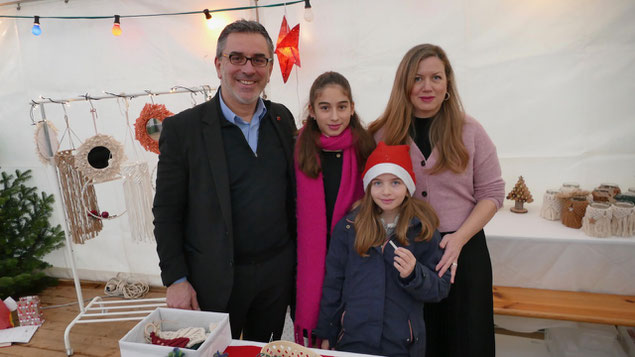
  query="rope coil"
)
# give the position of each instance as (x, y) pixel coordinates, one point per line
(129, 289)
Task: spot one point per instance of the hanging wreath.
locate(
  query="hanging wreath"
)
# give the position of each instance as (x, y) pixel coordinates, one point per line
(45, 133)
(99, 158)
(148, 126)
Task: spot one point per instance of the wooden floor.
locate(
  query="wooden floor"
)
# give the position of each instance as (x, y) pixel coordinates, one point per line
(98, 339)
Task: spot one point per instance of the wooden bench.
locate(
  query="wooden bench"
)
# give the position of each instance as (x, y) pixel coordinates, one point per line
(565, 305)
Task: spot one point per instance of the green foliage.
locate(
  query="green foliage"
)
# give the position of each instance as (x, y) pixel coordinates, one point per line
(26, 236)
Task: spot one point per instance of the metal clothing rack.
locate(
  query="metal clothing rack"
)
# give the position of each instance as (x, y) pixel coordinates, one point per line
(99, 310)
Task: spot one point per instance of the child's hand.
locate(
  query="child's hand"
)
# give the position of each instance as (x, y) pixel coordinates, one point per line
(404, 262)
(325, 345)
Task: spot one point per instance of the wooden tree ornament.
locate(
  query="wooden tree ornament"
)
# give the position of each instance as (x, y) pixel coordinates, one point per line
(520, 194)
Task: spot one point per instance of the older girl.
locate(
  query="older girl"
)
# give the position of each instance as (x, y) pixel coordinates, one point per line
(331, 150)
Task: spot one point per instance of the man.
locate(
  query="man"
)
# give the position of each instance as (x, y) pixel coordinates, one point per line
(224, 210)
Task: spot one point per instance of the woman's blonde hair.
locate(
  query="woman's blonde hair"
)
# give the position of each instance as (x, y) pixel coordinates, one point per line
(447, 125)
(370, 231)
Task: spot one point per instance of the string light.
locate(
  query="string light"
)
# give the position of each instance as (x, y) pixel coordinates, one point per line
(308, 13)
(36, 30)
(212, 22)
(116, 27)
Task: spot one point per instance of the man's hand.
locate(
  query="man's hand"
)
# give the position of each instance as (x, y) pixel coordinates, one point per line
(182, 296)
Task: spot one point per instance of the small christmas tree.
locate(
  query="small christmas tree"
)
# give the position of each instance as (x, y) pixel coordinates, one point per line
(25, 236)
(520, 194)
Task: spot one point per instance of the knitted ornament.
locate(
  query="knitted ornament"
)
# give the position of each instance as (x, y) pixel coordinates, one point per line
(623, 219)
(390, 159)
(597, 220)
(551, 206)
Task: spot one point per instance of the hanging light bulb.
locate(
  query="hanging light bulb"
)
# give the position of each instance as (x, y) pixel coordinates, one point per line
(36, 30)
(116, 27)
(308, 14)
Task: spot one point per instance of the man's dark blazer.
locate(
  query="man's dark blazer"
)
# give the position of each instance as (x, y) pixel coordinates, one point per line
(192, 205)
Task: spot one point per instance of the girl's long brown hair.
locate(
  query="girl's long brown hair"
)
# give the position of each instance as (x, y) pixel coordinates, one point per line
(370, 232)
(447, 125)
(307, 143)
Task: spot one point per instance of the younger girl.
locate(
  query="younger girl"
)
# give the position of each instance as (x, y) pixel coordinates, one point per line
(380, 267)
(330, 153)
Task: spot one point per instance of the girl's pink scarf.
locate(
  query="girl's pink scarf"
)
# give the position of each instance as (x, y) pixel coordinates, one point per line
(311, 212)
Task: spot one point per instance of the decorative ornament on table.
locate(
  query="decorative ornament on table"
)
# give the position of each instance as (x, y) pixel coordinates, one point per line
(520, 194)
(612, 188)
(46, 143)
(551, 205)
(626, 196)
(287, 48)
(569, 187)
(602, 195)
(286, 349)
(149, 124)
(573, 210)
(597, 220)
(623, 220)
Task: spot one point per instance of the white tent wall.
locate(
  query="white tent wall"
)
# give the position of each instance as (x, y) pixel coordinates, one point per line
(551, 81)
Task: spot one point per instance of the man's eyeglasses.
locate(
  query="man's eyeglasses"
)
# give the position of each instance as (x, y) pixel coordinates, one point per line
(238, 59)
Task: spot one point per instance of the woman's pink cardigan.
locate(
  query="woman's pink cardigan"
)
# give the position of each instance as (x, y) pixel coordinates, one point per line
(453, 196)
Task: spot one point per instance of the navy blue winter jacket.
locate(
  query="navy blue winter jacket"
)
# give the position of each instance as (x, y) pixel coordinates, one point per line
(366, 303)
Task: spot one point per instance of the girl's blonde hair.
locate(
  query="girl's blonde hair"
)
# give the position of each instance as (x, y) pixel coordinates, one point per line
(447, 125)
(370, 231)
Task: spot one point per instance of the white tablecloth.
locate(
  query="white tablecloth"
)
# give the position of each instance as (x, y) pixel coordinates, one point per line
(532, 252)
(529, 251)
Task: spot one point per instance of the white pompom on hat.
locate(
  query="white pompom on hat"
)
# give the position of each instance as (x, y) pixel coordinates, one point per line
(390, 159)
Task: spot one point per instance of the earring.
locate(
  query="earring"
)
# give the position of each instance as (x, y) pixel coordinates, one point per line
(447, 96)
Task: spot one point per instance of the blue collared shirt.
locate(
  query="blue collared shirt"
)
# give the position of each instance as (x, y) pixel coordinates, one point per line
(249, 129)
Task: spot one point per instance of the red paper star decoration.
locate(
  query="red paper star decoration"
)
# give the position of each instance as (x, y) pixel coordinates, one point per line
(287, 48)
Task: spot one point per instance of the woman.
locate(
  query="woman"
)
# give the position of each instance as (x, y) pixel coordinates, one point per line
(458, 173)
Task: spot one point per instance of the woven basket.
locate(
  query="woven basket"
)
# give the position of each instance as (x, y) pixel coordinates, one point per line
(286, 349)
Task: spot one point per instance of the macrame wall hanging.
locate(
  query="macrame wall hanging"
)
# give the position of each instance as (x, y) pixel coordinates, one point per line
(99, 158)
(148, 126)
(137, 186)
(46, 143)
(81, 226)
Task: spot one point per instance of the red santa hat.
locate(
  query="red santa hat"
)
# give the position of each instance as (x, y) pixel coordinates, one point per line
(390, 159)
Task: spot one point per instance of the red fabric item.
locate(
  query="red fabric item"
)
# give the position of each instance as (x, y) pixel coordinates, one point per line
(287, 48)
(246, 351)
(5, 316)
(180, 342)
(392, 159)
